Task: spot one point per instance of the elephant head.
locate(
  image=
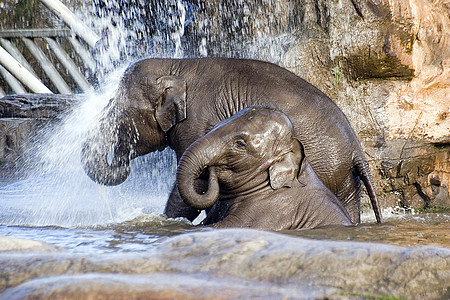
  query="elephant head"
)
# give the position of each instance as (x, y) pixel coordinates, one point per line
(254, 149)
(134, 123)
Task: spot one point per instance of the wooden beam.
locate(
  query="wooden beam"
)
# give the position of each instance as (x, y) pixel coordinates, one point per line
(83, 53)
(33, 33)
(21, 73)
(69, 65)
(16, 54)
(12, 81)
(72, 21)
(47, 66)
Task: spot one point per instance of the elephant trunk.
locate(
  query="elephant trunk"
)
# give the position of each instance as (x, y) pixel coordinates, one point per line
(106, 163)
(192, 164)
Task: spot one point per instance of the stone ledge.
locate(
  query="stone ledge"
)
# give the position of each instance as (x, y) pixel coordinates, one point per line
(268, 264)
(36, 105)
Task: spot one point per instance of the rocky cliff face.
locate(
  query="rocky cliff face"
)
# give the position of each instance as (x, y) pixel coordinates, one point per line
(387, 65)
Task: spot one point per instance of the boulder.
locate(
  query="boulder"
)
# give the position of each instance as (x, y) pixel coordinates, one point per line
(232, 264)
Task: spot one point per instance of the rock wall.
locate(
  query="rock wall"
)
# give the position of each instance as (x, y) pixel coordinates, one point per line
(387, 65)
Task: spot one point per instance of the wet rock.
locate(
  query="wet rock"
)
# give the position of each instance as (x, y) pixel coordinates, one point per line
(21, 118)
(38, 106)
(12, 244)
(230, 264)
(14, 134)
(156, 286)
(412, 174)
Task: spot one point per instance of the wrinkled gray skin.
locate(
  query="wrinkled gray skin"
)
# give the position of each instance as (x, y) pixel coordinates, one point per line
(259, 169)
(174, 102)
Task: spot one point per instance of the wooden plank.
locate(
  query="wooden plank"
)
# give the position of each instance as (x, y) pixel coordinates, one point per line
(12, 81)
(69, 65)
(21, 73)
(47, 66)
(16, 54)
(33, 33)
(72, 21)
(83, 53)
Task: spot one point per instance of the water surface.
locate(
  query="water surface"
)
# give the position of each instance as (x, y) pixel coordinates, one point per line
(145, 231)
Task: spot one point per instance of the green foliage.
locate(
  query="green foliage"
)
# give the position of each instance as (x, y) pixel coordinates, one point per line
(433, 209)
(337, 73)
(372, 297)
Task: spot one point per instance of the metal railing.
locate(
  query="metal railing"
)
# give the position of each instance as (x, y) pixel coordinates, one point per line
(45, 46)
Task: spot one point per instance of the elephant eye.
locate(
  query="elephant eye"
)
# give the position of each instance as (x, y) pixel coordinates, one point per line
(240, 144)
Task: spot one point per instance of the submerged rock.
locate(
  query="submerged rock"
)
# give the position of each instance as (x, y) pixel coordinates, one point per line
(12, 244)
(230, 264)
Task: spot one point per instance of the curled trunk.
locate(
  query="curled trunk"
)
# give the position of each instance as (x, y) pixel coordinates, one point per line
(192, 164)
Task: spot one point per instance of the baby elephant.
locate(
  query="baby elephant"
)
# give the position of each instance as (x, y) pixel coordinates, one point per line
(257, 170)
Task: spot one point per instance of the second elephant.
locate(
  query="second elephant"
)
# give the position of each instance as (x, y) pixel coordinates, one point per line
(259, 174)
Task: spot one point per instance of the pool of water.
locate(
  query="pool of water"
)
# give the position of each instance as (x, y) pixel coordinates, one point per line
(148, 230)
(403, 229)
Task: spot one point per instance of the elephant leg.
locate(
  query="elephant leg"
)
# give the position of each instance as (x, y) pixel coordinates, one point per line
(351, 195)
(176, 207)
(217, 213)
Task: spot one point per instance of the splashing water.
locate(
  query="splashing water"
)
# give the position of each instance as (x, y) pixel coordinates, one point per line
(58, 192)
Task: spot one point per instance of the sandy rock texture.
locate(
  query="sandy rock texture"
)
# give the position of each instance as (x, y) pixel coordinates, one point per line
(12, 244)
(387, 65)
(232, 264)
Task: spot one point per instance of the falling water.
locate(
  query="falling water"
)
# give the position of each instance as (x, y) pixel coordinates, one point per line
(57, 191)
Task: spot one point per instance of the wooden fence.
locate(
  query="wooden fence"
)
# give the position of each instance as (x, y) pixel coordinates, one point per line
(64, 67)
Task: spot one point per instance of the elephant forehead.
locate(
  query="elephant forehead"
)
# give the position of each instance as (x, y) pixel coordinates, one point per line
(270, 138)
(266, 127)
(267, 119)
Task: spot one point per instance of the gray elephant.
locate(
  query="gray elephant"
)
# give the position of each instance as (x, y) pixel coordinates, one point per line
(174, 102)
(259, 169)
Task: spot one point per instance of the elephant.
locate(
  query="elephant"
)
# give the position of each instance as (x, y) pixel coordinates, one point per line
(163, 103)
(259, 169)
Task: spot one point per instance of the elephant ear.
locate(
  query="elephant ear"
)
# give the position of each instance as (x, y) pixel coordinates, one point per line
(283, 172)
(171, 107)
